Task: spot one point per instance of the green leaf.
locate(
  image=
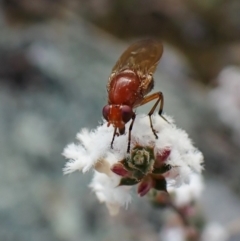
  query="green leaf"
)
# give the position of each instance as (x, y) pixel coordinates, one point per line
(161, 184)
(142, 159)
(128, 164)
(137, 174)
(160, 170)
(127, 181)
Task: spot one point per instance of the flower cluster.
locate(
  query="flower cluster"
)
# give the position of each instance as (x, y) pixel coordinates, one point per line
(143, 167)
(154, 164)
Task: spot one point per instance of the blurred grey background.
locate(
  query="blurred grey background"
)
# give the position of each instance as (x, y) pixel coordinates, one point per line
(55, 59)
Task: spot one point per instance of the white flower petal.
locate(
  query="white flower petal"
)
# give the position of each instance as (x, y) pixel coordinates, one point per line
(187, 193)
(78, 158)
(108, 191)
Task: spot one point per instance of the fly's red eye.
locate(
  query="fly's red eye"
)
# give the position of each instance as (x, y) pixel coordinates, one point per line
(105, 112)
(126, 113)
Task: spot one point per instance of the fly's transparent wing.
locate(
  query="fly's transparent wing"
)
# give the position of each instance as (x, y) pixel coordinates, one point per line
(142, 56)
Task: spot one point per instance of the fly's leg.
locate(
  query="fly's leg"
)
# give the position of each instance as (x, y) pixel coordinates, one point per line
(160, 99)
(114, 134)
(129, 133)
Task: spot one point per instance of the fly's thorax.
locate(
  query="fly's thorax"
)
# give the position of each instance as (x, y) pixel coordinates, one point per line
(124, 89)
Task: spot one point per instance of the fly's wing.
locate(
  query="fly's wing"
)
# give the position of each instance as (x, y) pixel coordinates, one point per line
(141, 56)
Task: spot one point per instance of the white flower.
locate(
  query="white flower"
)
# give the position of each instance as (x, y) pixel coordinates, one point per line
(93, 151)
(188, 192)
(107, 191)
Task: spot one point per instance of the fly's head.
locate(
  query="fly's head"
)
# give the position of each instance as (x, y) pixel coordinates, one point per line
(118, 116)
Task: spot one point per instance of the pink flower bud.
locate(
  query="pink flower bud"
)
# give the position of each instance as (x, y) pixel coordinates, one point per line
(145, 185)
(162, 156)
(119, 170)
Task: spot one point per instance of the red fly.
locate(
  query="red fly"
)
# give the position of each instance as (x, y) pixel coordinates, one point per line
(129, 83)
